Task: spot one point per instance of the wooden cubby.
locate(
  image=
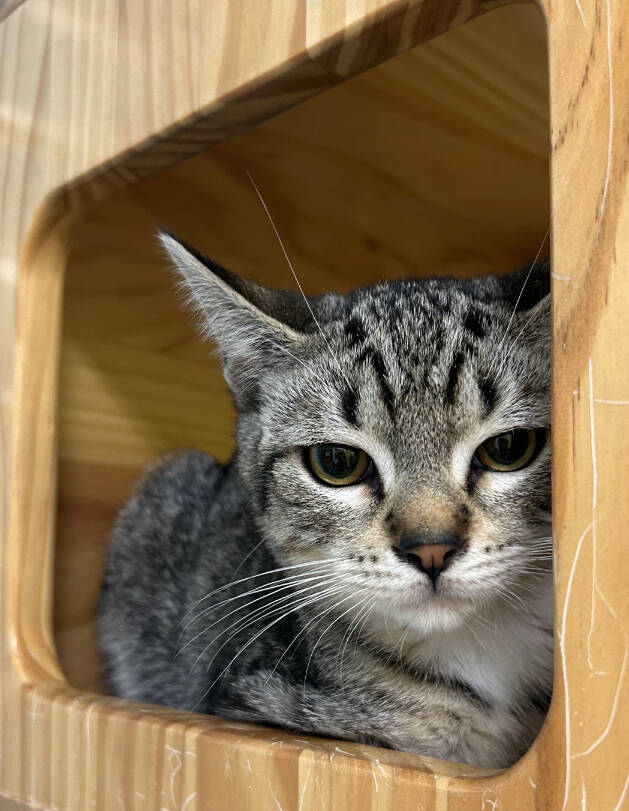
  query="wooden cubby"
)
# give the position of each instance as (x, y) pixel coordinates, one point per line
(386, 145)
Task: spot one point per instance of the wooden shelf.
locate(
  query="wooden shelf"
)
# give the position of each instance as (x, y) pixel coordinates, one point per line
(395, 158)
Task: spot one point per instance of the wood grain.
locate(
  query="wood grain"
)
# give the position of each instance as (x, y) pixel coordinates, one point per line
(7, 6)
(591, 118)
(94, 97)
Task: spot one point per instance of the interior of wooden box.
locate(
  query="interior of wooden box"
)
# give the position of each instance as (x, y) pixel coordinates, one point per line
(435, 163)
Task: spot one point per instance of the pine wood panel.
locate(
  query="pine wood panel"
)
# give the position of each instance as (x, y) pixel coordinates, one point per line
(7, 6)
(590, 120)
(98, 95)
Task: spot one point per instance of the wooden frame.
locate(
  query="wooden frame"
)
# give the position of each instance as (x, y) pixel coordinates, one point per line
(80, 117)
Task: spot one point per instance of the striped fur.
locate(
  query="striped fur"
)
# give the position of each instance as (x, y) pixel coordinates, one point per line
(257, 593)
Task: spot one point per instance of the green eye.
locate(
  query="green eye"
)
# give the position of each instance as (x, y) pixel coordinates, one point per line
(338, 465)
(509, 451)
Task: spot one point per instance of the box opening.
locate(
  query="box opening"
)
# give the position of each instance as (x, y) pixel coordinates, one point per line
(434, 163)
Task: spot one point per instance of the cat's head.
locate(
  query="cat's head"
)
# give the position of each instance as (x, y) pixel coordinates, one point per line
(397, 439)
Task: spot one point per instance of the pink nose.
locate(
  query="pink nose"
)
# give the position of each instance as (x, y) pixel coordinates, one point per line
(431, 555)
(432, 558)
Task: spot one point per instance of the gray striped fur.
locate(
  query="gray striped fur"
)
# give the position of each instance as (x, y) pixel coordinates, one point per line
(352, 642)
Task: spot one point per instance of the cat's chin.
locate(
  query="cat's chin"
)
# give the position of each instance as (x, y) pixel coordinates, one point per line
(433, 611)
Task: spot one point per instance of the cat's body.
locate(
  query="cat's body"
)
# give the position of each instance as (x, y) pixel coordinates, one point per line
(263, 593)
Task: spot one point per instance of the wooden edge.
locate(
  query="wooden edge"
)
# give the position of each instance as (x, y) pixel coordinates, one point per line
(231, 732)
(41, 282)
(321, 66)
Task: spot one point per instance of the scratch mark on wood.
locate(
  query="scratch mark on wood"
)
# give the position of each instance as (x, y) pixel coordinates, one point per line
(344, 752)
(304, 786)
(490, 801)
(594, 504)
(564, 664)
(610, 139)
(621, 678)
(175, 755)
(270, 787)
(584, 803)
(581, 14)
(189, 799)
(623, 794)
(380, 767)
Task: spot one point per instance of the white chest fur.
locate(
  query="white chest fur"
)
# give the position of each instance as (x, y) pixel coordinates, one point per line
(501, 653)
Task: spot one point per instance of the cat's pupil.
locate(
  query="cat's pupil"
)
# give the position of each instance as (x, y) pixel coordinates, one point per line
(338, 461)
(509, 446)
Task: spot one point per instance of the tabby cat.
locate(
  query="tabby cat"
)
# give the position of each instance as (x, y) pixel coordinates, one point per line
(374, 564)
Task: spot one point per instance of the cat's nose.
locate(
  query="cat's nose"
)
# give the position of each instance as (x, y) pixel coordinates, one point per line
(432, 556)
(431, 552)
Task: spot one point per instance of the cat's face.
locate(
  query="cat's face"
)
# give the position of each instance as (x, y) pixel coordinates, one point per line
(366, 442)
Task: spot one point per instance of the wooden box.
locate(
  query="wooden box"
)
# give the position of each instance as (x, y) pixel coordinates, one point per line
(380, 154)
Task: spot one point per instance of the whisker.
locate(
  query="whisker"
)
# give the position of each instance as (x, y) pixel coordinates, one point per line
(252, 640)
(292, 269)
(373, 605)
(295, 638)
(517, 337)
(348, 634)
(246, 557)
(350, 630)
(340, 616)
(261, 589)
(253, 576)
(267, 591)
(515, 308)
(249, 619)
(401, 645)
(512, 599)
(283, 349)
(478, 620)
(259, 614)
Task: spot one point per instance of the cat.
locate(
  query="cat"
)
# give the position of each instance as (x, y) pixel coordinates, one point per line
(375, 562)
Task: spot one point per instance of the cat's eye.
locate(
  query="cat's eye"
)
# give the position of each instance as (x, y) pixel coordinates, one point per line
(338, 465)
(509, 451)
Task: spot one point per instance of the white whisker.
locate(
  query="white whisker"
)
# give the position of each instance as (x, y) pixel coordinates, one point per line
(515, 307)
(246, 557)
(295, 638)
(252, 617)
(340, 616)
(279, 584)
(292, 269)
(256, 636)
(364, 611)
(253, 576)
(267, 592)
(362, 625)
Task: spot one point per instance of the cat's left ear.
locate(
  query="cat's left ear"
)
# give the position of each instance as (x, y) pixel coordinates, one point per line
(256, 328)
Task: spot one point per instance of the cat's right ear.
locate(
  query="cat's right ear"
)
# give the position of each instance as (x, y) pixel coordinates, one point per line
(526, 288)
(256, 328)
(529, 290)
